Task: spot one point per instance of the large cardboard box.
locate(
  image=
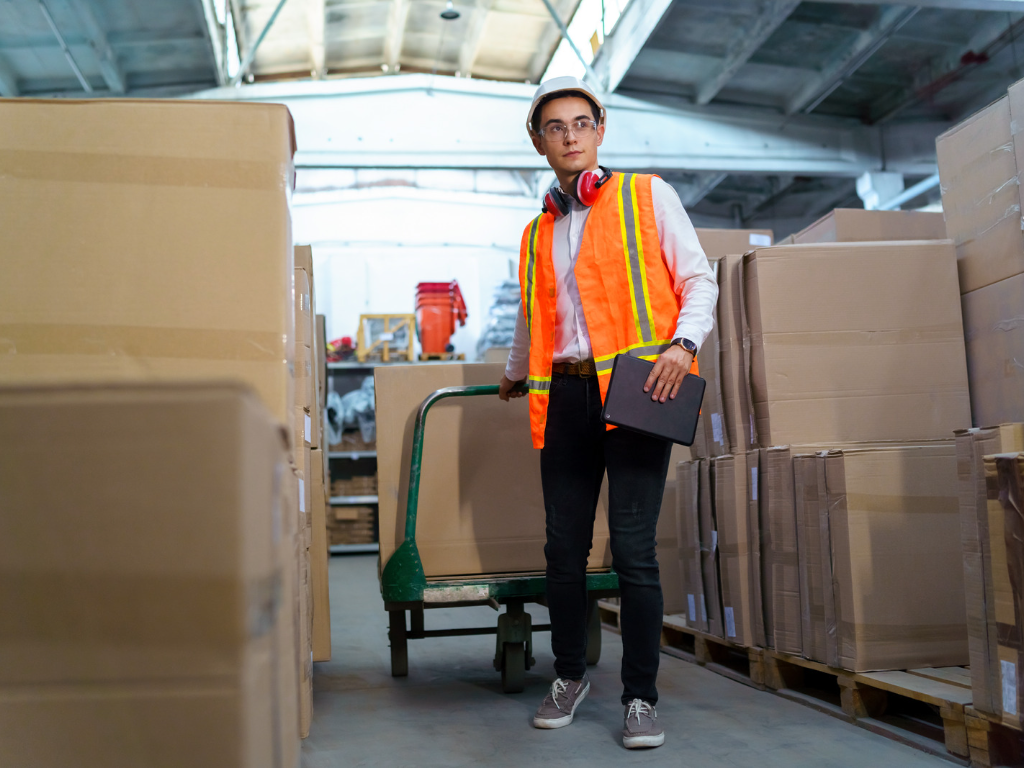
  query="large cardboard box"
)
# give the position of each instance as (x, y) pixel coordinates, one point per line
(894, 521)
(303, 317)
(978, 161)
(727, 246)
(851, 225)
(812, 550)
(158, 620)
(779, 551)
(471, 519)
(1005, 481)
(711, 438)
(708, 533)
(160, 242)
(734, 548)
(688, 527)
(994, 334)
(758, 537)
(972, 445)
(304, 377)
(839, 355)
(668, 542)
(318, 563)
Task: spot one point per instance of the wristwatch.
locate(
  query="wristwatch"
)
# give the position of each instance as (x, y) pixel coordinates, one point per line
(686, 344)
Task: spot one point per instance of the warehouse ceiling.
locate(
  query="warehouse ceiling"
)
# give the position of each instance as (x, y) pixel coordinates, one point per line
(876, 63)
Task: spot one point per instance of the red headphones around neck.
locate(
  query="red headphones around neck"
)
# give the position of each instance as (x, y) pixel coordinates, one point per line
(583, 188)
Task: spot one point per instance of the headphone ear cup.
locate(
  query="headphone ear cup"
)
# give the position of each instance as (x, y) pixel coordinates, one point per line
(554, 204)
(586, 188)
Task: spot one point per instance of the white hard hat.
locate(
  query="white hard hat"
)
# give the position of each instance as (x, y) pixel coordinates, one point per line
(555, 84)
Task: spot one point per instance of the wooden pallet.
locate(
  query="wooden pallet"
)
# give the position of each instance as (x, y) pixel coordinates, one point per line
(992, 743)
(744, 665)
(928, 709)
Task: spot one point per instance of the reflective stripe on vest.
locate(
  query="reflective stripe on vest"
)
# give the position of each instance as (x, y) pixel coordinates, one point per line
(531, 274)
(633, 249)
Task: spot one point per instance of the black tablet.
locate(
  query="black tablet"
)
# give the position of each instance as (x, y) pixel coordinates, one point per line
(626, 404)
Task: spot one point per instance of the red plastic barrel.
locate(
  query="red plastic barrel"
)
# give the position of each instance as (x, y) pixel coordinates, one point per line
(438, 307)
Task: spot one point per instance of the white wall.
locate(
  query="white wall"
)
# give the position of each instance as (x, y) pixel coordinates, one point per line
(372, 245)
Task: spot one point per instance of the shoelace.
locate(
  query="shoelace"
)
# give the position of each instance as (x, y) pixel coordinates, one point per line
(558, 688)
(639, 707)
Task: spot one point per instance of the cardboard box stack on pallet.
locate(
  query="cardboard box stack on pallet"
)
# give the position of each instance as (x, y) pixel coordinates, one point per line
(979, 163)
(840, 395)
(158, 260)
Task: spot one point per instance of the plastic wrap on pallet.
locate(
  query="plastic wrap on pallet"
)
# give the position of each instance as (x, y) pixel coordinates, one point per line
(501, 318)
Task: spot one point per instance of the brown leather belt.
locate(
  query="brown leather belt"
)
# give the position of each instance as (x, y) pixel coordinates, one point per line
(584, 369)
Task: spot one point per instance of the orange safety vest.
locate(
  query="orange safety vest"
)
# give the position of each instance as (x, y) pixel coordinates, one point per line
(627, 292)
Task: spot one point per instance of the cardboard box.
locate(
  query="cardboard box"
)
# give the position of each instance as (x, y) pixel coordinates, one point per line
(994, 334)
(287, 632)
(758, 537)
(708, 532)
(839, 355)
(734, 548)
(894, 520)
(853, 225)
(303, 319)
(812, 550)
(734, 348)
(176, 213)
(304, 260)
(320, 359)
(318, 563)
(980, 195)
(302, 432)
(304, 377)
(158, 624)
(779, 551)
(668, 544)
(472, 445)
(719, 243)
(712, 438)
(972, 445)
(1005, 501)
(688, 527)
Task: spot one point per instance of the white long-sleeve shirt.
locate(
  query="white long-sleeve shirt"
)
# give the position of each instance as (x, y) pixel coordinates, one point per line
(691, 276)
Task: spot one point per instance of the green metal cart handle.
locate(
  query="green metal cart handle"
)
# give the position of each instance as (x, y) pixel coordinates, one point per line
(402, 579)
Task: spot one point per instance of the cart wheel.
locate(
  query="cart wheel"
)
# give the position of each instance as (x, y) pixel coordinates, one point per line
(399, 645)
(594, 634)
(513, 668)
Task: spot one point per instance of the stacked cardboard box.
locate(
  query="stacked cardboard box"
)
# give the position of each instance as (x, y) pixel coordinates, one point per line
(990, 605)
(817, 354)
(181, 265)
(979, 162)
(1004, 477)
(144, 633)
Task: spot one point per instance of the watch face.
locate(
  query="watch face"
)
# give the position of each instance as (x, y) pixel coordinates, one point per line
(689, 346)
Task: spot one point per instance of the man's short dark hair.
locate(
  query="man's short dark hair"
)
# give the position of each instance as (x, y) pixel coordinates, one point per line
(535, 123)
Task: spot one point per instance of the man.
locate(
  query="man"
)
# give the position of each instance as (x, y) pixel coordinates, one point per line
(612, 267)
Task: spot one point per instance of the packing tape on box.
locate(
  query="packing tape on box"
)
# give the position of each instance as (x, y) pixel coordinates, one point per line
(903, 633)
(928, 334)
(145, 170)
(137, 609)
(136, 341)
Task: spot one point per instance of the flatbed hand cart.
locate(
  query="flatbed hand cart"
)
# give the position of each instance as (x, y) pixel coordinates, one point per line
(405, 588)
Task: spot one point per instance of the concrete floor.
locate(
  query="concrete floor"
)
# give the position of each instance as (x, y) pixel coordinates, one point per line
(450, 711)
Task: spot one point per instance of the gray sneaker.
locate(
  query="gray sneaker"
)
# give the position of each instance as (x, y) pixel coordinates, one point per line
(641, 728)
(560, 704)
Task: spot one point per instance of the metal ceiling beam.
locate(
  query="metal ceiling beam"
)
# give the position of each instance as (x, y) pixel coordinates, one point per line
(747, 42)
(474, 37)
(216, 36)
(691, 194)
(849, 59)
(111, 70)
(250, 55)
(8, 81)
(621, 47)
(595, 81)
(1010, 6)
(642, 136)
(549, 40)
(317, 18)
(64, 47)
(991, 35)
(398, 16)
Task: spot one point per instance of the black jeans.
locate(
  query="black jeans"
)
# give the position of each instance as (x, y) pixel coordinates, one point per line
(577, 451)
